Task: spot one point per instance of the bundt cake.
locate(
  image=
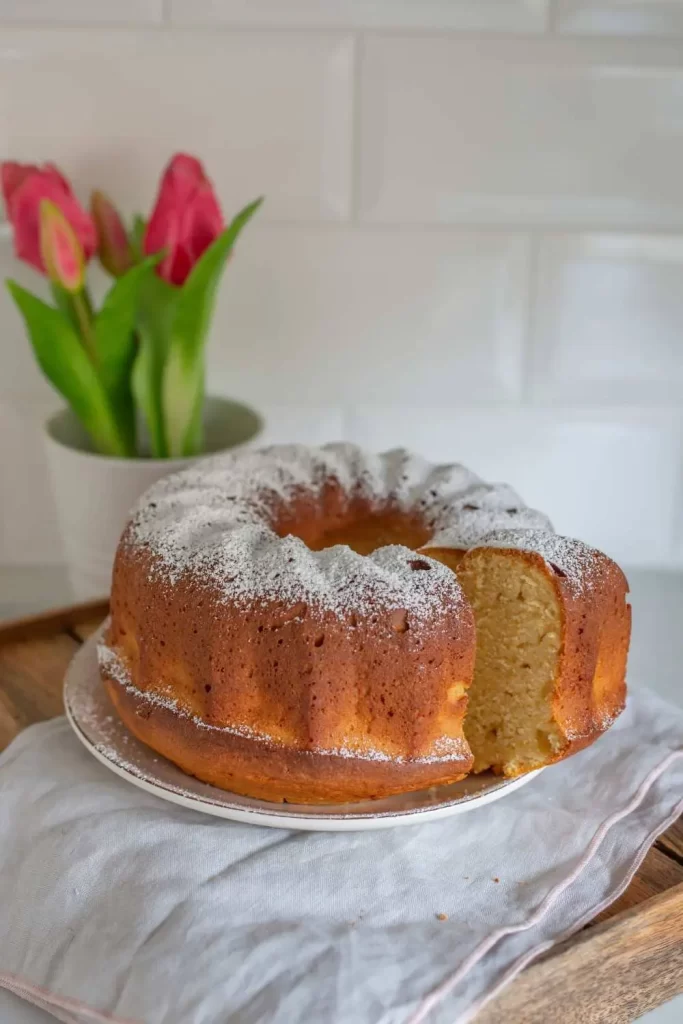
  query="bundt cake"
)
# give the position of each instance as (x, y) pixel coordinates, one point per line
(299, 624)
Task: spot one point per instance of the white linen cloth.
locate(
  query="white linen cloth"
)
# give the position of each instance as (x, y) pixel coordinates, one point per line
(117, 906)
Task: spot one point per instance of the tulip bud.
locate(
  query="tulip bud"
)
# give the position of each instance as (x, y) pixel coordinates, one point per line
(12, 175)
(185, 221)
(113, 246)
(24, 186)
(60, 249)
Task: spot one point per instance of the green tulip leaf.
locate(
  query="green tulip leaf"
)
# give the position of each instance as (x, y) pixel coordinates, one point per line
(157, 303)
(116, 344)
(136, 236)
(183, 385)
(146, 395)
(64, 302)
(183, 393)
(66, 365)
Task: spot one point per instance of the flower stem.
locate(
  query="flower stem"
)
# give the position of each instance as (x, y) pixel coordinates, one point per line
(83, 310)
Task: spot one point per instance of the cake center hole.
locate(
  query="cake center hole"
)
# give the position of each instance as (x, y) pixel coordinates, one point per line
(364, 533)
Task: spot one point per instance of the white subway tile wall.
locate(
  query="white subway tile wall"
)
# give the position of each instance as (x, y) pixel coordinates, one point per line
(362, 315)
(609, 311)
(269, 112)
(472, 242)
(620, 17)
(520, 131)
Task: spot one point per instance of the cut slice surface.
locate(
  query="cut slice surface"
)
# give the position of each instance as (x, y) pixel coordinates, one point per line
(518, 615)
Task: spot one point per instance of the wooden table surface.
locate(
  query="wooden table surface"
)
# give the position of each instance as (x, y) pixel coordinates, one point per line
(625, 962)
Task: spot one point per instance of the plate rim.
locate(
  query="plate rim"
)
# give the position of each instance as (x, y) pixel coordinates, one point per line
(288, 816)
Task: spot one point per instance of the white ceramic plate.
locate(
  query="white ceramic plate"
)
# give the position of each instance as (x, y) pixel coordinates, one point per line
(95, 722)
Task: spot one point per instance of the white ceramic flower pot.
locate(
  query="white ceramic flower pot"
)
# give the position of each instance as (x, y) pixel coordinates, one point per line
(94, 493)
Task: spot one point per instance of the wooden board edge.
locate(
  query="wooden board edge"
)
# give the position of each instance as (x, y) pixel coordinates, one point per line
(637, 936)
(671, 841)
(52, 621)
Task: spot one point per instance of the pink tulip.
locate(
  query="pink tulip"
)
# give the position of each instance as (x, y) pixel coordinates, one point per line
(61, 252)
(185, 220)
(24, 186)
(112, 241)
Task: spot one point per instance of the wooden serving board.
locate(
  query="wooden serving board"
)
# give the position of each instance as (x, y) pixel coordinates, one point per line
(625, 962)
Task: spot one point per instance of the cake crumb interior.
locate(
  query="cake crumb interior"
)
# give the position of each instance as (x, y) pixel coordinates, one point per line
(518, 621)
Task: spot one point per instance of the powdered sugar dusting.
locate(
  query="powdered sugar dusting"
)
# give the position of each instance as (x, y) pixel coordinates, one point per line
(602, 720)
(571, 559)
(479, 510)
(214, 520)
(113, 740)
(113, 666)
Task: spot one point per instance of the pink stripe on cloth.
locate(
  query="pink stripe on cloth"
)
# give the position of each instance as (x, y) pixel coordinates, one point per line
(71, 1011)
(542, 947)
(432, 1000)
(42, 1004)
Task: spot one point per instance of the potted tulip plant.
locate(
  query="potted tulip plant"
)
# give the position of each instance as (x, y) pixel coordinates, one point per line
(132, 372)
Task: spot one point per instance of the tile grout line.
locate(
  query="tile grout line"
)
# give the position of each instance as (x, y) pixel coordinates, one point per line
(546, 33)
(51, 25)
(459, 227)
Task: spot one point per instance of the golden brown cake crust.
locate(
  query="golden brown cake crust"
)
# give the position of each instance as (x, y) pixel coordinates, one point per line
(294, 683)
(269, 771)
(347, 673)
(259, 659)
